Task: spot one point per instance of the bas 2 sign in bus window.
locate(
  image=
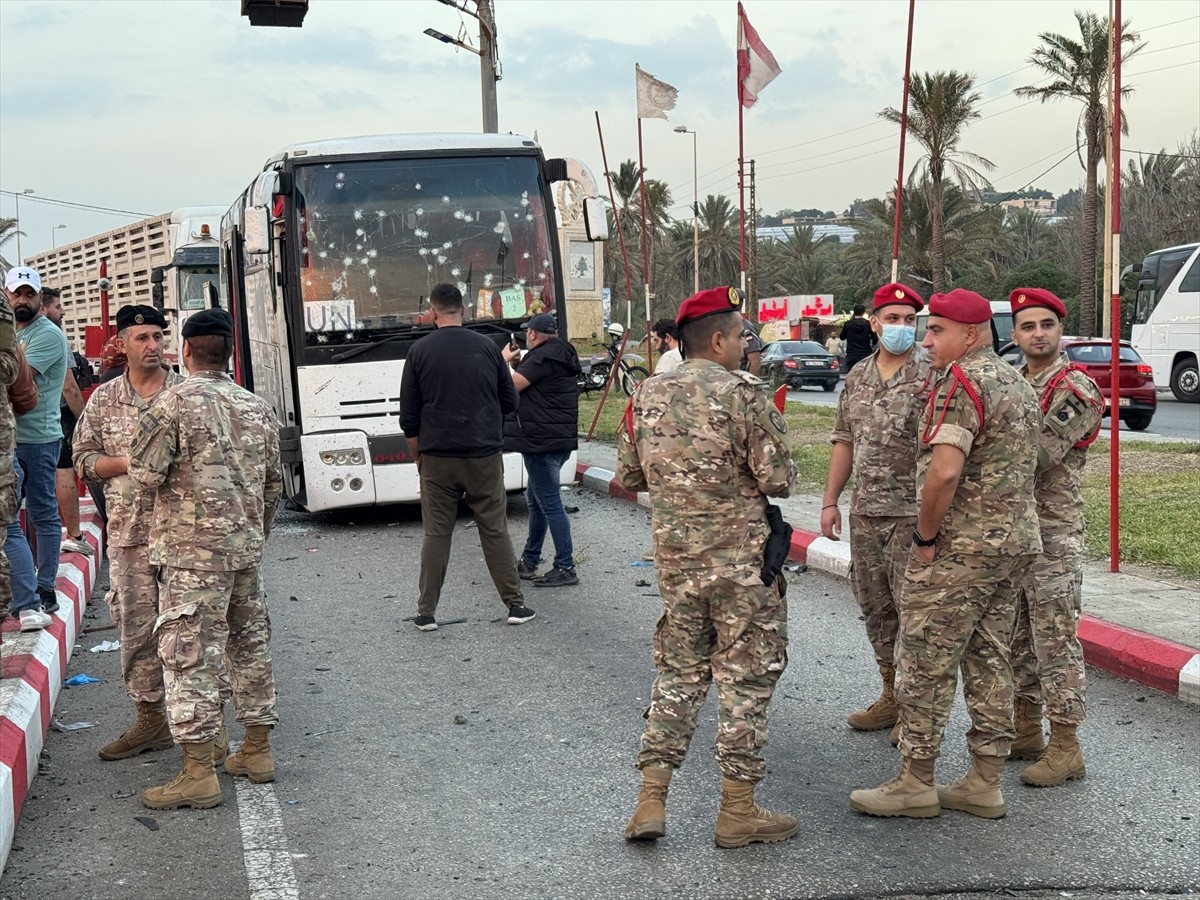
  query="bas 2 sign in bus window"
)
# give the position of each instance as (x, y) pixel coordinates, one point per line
(376, 236)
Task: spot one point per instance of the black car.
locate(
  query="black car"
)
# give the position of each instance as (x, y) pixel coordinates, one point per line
(797, 363)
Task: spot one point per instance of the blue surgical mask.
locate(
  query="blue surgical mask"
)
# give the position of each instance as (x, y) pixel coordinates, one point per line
(898, 338)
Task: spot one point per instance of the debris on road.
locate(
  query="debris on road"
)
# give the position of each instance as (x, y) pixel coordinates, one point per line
(76, 680)
(106, 647)
(74, 726)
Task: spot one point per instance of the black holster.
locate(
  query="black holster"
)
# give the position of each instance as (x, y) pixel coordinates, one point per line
(779, 544)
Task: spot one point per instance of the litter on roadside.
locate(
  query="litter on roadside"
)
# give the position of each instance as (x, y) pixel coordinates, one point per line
(76, 680)
(106, 647)
(641, 563)
(73, 726)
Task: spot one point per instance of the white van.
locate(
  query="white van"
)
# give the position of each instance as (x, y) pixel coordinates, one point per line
(1002, 323)
(1166, 318)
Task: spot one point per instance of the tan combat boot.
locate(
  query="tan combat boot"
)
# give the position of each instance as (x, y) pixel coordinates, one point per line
(254, 759)
(882, 713)
(196, 786)
(221, 742)
(741, 821)
(894, 737)
(977, 792)
(649, 821)
(149, 731)
(910, 794)
(1030, 741)
(1061, 761)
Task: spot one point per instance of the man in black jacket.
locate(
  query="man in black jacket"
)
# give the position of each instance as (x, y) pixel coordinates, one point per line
(544, 431)
(454, 395)
(859, 337)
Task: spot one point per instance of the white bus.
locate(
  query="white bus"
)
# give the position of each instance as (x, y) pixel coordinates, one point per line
(1166, 318)
(328, 259)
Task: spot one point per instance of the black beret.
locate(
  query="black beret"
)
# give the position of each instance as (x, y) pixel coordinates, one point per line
(139, 315)
(208, 321)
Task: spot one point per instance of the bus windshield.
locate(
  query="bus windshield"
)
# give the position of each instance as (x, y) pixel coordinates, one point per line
(377, 235)
(191, 286)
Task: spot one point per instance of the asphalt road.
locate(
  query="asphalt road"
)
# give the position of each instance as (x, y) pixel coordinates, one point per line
(488, 760)
(1172, 419)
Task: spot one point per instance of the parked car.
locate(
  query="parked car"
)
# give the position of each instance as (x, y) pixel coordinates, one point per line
(797, 363)
(1137, 399)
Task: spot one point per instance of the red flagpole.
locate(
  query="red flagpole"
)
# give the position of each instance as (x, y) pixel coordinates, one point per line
(741, 155)
(645, 254)
(912, 7)
(1114, 446)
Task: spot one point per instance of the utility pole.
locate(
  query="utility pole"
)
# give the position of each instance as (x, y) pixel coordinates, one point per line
(752, 273)
(489, 72)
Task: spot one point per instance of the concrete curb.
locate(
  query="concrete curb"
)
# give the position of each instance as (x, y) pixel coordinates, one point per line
(33, 667)
(1152, 661)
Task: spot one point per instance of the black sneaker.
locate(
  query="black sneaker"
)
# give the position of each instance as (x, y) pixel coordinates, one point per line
(49, 600)
(525, 572)
(557, 577)
(425, 623)
(519, 613)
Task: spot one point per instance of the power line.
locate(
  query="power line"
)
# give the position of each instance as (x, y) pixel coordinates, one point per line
(37, 198)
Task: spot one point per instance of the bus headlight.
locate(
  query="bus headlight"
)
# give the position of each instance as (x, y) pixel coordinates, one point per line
(349, 457)
(337, 484)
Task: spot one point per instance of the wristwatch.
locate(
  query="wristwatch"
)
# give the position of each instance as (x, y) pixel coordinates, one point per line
(922, 542)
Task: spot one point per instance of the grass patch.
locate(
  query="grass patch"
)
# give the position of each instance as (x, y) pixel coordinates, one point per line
(1160, 505)
(808, 429)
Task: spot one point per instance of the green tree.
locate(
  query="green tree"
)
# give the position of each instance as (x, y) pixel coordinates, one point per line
(942, 105)
(8, 231)
(1078, 70)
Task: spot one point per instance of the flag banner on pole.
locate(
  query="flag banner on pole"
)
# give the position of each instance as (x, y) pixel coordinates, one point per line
(654, 97)
(756, 64)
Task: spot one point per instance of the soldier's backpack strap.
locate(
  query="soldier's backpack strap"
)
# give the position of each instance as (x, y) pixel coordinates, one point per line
(628, 417)
(1061, 379)
(958, 378)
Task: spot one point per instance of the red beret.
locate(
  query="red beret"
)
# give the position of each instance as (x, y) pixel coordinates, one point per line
(960, 305)
(1028, 298)
(709, 303)
(894, 293)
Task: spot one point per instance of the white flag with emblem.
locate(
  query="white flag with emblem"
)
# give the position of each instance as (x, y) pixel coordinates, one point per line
(654, 97)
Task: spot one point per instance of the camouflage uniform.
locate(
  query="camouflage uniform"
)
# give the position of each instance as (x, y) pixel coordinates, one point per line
(106, 428)
(710, 448)
(1047, 656)
(9, 367)
(878, 420)
(212, 450)
(960, 609)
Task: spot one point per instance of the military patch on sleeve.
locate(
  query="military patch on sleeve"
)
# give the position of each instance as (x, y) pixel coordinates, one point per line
(778, 421)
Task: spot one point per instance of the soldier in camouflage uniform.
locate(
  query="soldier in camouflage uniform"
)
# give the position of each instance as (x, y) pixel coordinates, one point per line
(211, 448)
(875, 438)
(976, 537)
(103, 436)
(707, 444)
(1047, 656)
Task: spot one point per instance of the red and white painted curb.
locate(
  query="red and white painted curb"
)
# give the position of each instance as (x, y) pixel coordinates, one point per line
(1153, 661)
(33, 665)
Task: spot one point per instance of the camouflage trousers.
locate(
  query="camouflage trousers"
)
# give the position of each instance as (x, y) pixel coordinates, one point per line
(133, 604)
(8, 512)
(879, 550)
(721, 625)
(1047, 657)
(957, 613)
(205, 617)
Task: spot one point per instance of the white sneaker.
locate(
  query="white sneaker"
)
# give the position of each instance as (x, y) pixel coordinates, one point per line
(71, 545)
(34, 620)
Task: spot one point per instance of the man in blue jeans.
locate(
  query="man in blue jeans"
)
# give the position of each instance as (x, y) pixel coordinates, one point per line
(39, 431)
(544, 430)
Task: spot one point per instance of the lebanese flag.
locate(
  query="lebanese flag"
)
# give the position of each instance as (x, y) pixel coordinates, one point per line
(756, 64)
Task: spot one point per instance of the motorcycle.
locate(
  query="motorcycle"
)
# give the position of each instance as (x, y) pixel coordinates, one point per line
(596, 374)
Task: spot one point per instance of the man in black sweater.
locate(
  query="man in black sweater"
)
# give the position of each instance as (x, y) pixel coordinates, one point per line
(454, 395)
(859, 337)
(544, 431)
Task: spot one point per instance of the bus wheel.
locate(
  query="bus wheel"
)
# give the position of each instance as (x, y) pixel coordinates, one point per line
(1185, 382)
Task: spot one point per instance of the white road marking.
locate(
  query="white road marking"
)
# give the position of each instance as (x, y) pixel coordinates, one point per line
(269, 869)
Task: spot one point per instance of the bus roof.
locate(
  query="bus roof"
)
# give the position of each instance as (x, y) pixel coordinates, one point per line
(405, 143)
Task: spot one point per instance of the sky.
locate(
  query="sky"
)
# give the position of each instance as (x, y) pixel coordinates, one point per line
(146, 107)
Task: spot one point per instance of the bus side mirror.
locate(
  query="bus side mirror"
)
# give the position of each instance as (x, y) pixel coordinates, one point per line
(256, 236)
(156, 287)
(595, 221)
(212, 299)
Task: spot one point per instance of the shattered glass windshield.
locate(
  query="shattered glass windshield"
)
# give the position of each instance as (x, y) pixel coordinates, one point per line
(377, 235)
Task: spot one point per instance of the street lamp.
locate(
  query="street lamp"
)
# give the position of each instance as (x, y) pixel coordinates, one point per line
(53, 235)
(683, 129)
(489, 67)
(17, 203)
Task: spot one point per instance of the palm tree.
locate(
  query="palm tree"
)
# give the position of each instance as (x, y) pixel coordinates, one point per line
(942, 105)
(720, 246)
(8, 231)
(1079, 71)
